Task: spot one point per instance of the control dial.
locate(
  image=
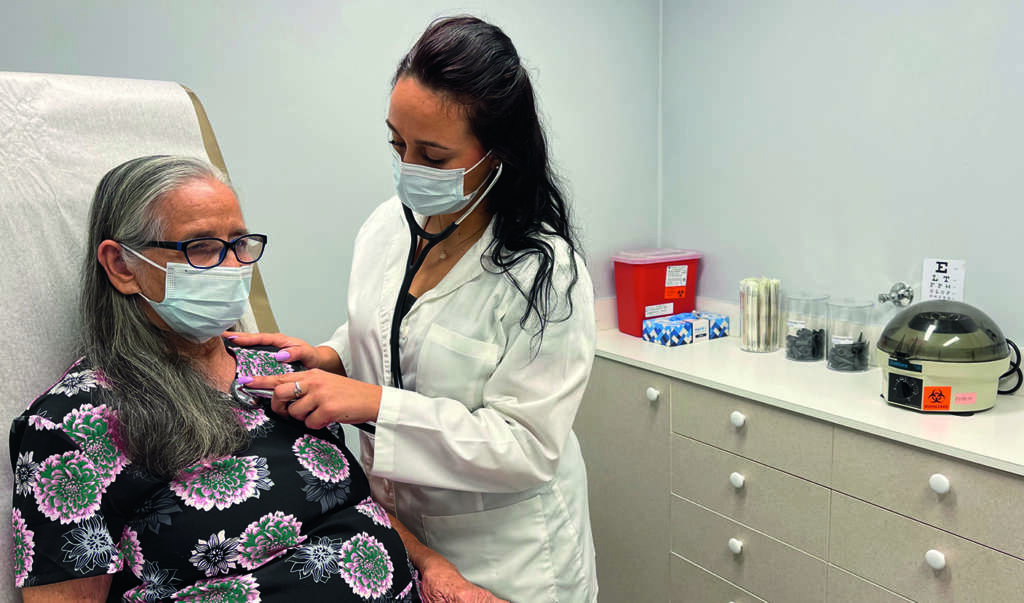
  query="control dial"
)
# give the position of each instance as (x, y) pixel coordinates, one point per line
(905, 390)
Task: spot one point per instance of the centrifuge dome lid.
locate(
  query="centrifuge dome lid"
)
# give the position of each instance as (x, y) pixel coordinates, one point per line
(941, 330)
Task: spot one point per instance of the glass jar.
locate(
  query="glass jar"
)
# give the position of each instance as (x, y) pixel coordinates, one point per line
(848, 334)
(806, 322)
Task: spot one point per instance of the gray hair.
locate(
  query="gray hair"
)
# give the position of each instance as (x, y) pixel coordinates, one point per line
(168, 416)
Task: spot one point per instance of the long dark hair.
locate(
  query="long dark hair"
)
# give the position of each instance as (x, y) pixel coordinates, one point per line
(474, 64)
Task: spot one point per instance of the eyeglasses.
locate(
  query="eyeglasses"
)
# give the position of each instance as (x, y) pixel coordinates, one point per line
(209, 252)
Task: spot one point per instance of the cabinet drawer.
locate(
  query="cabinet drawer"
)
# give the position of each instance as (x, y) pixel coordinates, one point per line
(766, 567)
(693, 584)
(844, 587)
(981, 503)
(889, 550)
(791, 509)
(775, 437)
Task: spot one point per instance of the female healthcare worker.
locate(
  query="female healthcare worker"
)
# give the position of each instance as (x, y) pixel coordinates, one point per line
(470, 336)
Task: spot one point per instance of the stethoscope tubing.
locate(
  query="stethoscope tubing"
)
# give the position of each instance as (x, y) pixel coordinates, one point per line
(412, 265)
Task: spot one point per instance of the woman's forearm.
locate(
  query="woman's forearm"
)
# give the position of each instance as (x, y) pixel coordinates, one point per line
(328, 360)
(420, 554)
(86, 590)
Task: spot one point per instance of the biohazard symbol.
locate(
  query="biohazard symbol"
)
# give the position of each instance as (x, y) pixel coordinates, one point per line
(937, 398)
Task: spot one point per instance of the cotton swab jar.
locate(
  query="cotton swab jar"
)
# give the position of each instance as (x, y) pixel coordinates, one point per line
(760, 312)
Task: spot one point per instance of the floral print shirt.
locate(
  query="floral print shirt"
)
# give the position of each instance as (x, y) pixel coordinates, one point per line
(290, 515)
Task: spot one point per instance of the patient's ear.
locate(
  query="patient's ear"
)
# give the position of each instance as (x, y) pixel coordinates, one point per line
(110, 256)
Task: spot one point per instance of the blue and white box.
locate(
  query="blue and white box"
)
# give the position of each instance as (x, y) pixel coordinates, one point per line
(680, 329)
(718, 324)
(662, 330)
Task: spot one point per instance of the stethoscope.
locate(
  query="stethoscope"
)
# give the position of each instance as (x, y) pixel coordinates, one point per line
(412, 265)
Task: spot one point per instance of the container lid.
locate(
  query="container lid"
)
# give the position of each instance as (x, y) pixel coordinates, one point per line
(942, 330)
(852, 303)
(808, 296)
(656, 256)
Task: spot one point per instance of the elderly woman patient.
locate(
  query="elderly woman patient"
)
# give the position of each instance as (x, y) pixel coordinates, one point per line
(146, 473)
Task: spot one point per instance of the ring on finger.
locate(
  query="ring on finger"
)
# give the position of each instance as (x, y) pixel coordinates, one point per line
(298, 390)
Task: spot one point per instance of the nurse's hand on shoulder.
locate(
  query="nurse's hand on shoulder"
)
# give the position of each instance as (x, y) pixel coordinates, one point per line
(319, 398)
(443, 583)
(291, 349)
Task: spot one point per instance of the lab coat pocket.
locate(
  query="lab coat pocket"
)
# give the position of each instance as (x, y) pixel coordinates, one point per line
(454, 366)
(507, 550)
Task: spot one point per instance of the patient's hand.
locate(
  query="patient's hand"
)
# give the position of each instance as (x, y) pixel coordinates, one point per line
(442, 583)
(292, 349)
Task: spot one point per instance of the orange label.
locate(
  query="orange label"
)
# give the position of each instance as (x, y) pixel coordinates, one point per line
(675, 292)
(936, 398)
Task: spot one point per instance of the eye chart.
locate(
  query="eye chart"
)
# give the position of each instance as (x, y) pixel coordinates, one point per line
(943, 279)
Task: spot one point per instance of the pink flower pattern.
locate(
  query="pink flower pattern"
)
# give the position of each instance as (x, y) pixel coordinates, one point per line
(68, 487)
(321, 458)
(24, 548)
(223, 482)
(374, 511)
(268, 538)
(366, 566)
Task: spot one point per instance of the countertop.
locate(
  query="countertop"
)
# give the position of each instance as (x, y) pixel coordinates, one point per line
(994, 438)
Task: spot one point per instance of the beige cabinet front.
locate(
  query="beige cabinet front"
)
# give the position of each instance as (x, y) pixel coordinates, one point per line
(699, 495)
(844, 587)
(787, 507)
(781, 439)
(975, 502)
(693, 584)
(916, 560)
(623, 430)
(754, 561)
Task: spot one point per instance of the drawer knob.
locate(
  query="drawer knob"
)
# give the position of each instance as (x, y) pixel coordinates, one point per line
(935, 559)
(653, 394)
(737, 480)
(939, 483)
(737, 419)
(736, 546)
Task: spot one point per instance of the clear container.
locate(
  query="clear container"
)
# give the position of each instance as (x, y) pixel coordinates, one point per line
(806, 323)
(848, 338)
(761, 315)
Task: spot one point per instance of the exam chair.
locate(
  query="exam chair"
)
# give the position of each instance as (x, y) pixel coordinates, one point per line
(58, 135)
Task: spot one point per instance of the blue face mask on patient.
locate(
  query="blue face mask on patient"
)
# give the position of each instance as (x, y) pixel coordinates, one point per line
(200, 304)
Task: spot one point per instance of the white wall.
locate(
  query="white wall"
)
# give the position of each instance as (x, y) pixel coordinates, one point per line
(833, 144)
(836, 144)
(297, 94)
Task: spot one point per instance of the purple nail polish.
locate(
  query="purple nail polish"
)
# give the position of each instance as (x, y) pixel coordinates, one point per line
(282, 356)
(232, 337)
(243, 379)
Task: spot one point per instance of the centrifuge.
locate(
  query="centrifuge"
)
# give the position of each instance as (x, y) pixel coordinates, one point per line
(942, 356)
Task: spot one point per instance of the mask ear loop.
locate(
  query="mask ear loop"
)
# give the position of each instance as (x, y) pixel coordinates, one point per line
(481, 196)
(143, 258)
(151, 263)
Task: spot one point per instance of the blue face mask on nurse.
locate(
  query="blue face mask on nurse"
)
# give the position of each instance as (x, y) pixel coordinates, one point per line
(431, 191)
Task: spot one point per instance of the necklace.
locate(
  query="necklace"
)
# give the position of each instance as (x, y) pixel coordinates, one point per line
(442, 254)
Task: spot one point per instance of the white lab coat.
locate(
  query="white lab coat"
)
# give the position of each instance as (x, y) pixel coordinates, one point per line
(477, 456)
